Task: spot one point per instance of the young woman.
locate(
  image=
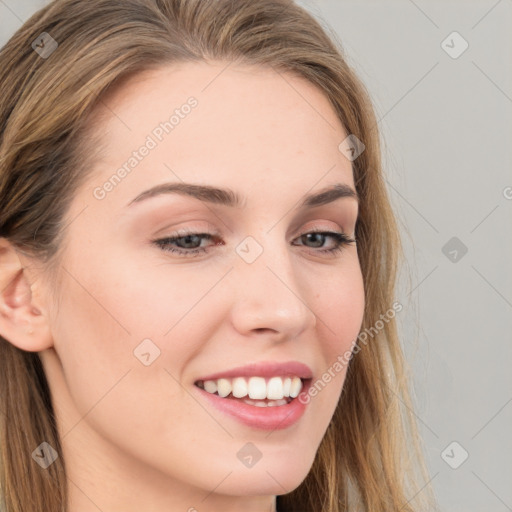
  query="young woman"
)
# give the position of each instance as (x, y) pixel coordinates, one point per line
(197, 267)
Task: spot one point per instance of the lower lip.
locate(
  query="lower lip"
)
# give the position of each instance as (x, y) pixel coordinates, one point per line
(264, 418)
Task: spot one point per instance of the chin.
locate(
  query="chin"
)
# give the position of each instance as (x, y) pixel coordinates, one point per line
(271, 478)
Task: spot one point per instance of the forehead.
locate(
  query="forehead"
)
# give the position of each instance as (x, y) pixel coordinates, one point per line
(218, 123)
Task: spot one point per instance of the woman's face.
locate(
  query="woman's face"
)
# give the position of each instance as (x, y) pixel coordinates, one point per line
(140, 323)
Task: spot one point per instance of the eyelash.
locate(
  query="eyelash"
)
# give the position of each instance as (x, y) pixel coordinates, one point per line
(341, 240)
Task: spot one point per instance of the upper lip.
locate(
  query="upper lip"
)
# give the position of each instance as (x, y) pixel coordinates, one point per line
(265, 369)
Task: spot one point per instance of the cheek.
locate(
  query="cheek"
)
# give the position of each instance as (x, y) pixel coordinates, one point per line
(110, 308)
(100, 323)
(92, 343)
(339, 308)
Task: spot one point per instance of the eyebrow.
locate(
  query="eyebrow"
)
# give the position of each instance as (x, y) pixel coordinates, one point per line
(228, 197)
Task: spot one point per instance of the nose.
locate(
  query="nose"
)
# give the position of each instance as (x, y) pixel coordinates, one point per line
(270, 296)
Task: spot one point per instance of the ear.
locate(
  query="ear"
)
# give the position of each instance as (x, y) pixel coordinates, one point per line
(23, 314)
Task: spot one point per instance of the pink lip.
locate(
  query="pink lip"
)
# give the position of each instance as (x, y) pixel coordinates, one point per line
(268, 369)
(264, 418)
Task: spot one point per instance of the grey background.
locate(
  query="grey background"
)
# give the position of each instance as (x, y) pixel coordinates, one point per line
(446, 128)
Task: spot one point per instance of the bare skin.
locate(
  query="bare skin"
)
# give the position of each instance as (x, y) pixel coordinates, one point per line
(139, 437)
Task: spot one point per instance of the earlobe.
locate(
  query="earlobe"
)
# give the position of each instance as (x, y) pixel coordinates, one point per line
(22, 319)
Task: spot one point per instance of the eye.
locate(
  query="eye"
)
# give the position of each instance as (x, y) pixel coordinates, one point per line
(318, 238)
(188, 243)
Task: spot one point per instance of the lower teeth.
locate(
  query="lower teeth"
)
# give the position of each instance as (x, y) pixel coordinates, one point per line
(259, 403)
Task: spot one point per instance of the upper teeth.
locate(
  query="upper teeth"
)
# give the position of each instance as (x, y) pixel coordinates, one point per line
(276, 388)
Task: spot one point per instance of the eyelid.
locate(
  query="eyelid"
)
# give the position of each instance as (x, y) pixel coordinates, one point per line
(213, 232)
(206, 228)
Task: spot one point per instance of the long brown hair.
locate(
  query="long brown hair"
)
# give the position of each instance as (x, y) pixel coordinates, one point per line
(46, 112)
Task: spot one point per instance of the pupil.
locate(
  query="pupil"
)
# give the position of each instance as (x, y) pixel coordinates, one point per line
(319, 239)
(188, 238)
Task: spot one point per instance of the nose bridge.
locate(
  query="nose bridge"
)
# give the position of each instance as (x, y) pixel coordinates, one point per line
(268, 294)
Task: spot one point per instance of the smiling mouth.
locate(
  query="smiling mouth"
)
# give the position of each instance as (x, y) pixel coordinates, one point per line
(256, 391)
